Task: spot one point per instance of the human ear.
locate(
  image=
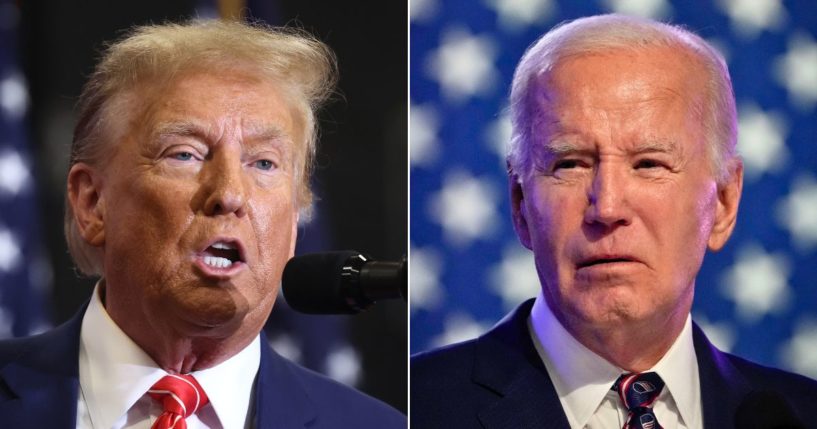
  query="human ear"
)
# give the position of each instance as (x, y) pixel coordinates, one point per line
(87, 203)
(520, 222)
(727, 211)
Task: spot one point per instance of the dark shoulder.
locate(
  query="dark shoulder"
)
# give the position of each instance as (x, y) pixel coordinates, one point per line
(799, 391)
(451, 385)
(43, 349)
(434, 369)
(12, 349)
(443, 390)
(508, 339)
(343, 406)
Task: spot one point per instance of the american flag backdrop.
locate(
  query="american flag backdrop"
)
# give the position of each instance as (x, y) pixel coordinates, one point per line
(25, 275)
(757, 298)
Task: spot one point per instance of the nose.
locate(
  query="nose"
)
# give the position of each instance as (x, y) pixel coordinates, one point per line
(607, 199)
(224, 186)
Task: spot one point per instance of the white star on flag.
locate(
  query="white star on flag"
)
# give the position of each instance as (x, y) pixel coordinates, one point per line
(459, 327)
(498, 136)
(425, 291)
(10, 254)
(285, 346)
(465, 208)
(514, 278)
(757, 283)
(655, 9)
(798, 212)
(516, 15)
(14, 96)
(797, 70)
(721, 334)
(343, 364)
(761, 141)
(800, 352)
(750, 17)
(464, 64)
(14, 175)
(425, 124)
(423, 10)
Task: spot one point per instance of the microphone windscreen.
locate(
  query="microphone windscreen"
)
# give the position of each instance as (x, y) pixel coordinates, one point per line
(766, 410)
(312, 283)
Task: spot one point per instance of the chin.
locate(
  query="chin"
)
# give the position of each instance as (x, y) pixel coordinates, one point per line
(607, 311)
(207, 307)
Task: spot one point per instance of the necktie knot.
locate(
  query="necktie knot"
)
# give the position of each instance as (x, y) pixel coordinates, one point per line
(638, 392)
(180, 396)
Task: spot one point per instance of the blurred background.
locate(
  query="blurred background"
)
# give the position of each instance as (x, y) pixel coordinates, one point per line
(47, 48)
(756, 298)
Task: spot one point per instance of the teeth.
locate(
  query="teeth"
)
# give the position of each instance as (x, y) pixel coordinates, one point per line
(218, 262)
(223, 245)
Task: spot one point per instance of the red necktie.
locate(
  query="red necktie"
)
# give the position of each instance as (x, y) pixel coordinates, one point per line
(181, 396)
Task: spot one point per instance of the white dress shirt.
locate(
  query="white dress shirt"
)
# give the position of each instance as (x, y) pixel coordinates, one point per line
(115, 374)
(583, 379)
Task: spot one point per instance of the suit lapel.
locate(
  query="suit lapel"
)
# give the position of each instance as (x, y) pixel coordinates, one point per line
(281, 401)
(43, 379)
(507, 363)
(722, 385)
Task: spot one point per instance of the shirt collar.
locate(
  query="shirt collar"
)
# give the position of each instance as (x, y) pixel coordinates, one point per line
(114, 372)
(679, 370)
(229, 385)
(582, 378)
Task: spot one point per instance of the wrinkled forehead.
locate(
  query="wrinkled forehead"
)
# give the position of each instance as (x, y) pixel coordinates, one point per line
(646, 97)
(620, 81)
(183, 104)
(620, 73)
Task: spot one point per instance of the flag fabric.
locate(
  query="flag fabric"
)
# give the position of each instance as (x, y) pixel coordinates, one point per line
(24, 272)
(756, 298)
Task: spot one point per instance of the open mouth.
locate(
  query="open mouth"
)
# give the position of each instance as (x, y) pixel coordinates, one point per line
(222, 254)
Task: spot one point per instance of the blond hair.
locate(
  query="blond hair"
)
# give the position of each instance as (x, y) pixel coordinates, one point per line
(156, 54)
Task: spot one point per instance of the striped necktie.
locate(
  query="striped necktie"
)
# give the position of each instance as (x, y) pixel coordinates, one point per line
(180, 396)
(638, 392)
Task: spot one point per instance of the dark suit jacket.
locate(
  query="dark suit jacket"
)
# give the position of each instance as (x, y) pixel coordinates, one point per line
(39, 382)
(499, 381)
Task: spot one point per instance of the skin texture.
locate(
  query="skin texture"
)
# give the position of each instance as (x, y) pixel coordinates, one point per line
(622, 179)
(206, 157)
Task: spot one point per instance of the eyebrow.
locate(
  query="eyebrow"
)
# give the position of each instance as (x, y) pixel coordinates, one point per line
(184, 128)
(560, 147)
(265, 132)
(657, 145)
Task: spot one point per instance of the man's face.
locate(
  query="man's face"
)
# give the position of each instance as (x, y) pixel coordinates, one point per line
(199, 211)
(622, 201)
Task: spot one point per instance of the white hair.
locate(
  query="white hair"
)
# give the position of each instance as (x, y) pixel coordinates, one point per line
(602, 34)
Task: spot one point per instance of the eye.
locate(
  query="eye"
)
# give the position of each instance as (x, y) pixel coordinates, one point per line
(648, 163)
(182, 156)
(566, 163)
(264, 164)
(571, 164)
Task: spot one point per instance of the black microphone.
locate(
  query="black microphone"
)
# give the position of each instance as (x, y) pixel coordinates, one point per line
(346, 282)
(765, 409)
